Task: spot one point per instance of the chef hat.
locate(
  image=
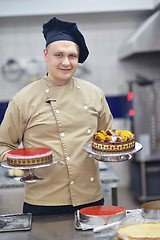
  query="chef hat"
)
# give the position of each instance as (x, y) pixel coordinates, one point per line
(56, 30)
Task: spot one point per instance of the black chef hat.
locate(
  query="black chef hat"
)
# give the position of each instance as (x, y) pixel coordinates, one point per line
(56, 30)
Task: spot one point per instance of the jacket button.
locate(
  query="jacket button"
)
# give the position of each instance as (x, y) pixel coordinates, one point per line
(89, 130)
(57, 111)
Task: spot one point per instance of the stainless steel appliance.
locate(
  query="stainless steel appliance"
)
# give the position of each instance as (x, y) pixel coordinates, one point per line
(145, 167)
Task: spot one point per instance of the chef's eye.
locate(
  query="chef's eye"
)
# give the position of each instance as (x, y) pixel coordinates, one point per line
(73, 56)
(58, 55)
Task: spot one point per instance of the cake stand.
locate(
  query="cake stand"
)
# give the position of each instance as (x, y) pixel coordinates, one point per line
(111, 157)
(31, 177)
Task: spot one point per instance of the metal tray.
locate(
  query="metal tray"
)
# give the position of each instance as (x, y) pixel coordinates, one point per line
(112, 157)
(15, 222)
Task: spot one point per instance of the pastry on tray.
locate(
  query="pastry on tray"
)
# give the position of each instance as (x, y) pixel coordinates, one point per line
(29, 156)
(113, 141)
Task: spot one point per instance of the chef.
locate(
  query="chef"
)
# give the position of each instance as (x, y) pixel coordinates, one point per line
(60, 112)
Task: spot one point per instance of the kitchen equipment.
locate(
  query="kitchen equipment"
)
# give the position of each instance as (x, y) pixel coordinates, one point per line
(151, 209)
(112, 157)
(12, 70)
(145, 167)
(100, 215)
(142, 41)
(16, 222)
(146, 126)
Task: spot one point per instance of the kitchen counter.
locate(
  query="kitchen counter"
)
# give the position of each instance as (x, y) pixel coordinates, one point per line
(9, 182)
(59, 227)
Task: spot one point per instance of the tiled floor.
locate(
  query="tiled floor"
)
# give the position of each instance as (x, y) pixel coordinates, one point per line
(11, 200)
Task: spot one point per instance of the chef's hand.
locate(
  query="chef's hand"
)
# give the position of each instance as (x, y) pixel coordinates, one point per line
(4, 158)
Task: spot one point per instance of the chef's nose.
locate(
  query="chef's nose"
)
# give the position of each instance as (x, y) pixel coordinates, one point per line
(66, 61)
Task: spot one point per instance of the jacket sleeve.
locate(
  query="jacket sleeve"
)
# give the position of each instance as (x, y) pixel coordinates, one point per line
(11, 129)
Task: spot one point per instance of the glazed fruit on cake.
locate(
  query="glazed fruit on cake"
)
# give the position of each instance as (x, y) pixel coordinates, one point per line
(113, 141)
(29, 156)
(141, 231)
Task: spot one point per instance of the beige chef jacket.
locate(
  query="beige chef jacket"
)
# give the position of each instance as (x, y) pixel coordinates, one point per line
(63, 118)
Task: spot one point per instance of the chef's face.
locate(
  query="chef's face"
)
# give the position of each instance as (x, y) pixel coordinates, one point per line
(62, 58)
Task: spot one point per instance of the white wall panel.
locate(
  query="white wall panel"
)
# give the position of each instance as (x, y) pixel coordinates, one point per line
(40, 7)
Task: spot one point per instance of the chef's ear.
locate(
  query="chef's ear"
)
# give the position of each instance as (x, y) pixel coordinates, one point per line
(45, 52)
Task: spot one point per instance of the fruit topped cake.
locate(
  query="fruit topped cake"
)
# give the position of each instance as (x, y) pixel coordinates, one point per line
(29, 156)
(113, 141)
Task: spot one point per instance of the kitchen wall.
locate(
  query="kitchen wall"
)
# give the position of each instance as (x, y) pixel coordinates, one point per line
(21, 39)
(40, 7)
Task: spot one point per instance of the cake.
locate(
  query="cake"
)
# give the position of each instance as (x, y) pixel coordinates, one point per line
(113, 141)
(101, 215)
(141, 231)
(29, 156)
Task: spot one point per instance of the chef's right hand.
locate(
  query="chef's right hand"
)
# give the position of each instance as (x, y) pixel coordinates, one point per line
(4, 158)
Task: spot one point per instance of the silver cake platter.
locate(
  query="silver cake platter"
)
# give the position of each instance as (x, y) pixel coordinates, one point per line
(111, 157)
(31, 177)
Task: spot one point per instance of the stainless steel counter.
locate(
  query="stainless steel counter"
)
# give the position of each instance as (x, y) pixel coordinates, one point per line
(60, 227)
